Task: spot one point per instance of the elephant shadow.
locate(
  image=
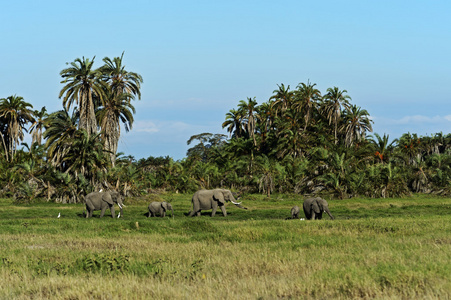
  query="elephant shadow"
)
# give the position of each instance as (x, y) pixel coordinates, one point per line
(207, 213)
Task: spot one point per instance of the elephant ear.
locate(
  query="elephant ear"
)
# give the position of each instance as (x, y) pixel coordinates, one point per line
(219, 196)
(164, 205)
(107, 198)
(315, 207)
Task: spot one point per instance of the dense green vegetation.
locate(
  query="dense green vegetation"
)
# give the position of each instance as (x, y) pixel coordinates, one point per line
(375, 248)
(299, 141)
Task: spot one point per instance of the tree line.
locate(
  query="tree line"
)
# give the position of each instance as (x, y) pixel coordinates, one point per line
(298, 141)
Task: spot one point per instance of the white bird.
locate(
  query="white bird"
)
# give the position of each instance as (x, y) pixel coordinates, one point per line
(59, 215)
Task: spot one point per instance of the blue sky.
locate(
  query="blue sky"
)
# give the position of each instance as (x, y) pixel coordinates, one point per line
(199, 58)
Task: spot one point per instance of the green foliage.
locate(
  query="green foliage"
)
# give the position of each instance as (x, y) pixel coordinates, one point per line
(105, 263)
(299, 141)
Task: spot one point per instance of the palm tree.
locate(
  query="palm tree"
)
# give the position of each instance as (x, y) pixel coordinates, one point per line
(16, 113)
(356, 124)
(283, 98)
(334, 101)
(382, 148)
(267, 171)
(60, 130)
(120, 80)
(85, 157)
(82, 85)
(290, 135)
(307, 97)
(38, 125)
(233, 123)
(249, 109)
(115, 108)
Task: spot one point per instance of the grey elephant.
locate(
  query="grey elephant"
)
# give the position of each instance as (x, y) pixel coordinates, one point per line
(103, 200)
(160, 208)
(212, 199)
(314, 208)
(295, 210)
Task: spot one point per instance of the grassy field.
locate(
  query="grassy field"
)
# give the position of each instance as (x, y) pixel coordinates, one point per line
(375, 248)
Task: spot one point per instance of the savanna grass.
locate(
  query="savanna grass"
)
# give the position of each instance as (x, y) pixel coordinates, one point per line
(375, 248)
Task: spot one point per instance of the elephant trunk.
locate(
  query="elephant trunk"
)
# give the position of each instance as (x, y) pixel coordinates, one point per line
(328, 212)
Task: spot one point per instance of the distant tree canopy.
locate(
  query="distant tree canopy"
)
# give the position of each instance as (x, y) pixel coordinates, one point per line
(298, 141)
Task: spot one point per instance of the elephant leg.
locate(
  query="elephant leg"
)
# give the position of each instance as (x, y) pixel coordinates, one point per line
(163, 214)
(224, 212)
(89, 209)
(319, 216)
(213, 211)
(112, 211)
(198, 213)
(102, 211)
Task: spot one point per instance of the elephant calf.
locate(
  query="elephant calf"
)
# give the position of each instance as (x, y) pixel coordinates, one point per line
(160, 208)
(295, 211)
(314, 208)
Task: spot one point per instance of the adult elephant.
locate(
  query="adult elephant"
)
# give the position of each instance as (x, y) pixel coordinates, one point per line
(160, 208)
(212, 199)
(314, 208)
(103, 200)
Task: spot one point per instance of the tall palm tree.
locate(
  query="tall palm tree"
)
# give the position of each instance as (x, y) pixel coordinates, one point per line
(356, 124)
(233, 123)
(290, 134)
(15, 113)
(306, 100)
(283, 98)
(335, 101)
(83, 83)
(249, 109)
(115, 109)
(38, 125)
(60, 130)
(120, 80)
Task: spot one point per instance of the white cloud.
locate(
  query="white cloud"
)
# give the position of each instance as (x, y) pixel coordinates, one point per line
(420, 119)
(146, 126)
(419, 124)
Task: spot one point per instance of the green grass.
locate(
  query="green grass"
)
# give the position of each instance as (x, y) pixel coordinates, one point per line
(375, 248)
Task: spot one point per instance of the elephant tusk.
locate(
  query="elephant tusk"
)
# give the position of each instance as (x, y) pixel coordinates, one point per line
(119, 206)
(236, 203)
(119, 215)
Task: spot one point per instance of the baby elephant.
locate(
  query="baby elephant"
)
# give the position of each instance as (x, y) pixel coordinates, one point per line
(160, 208)
(295, 212)
(314, 208)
